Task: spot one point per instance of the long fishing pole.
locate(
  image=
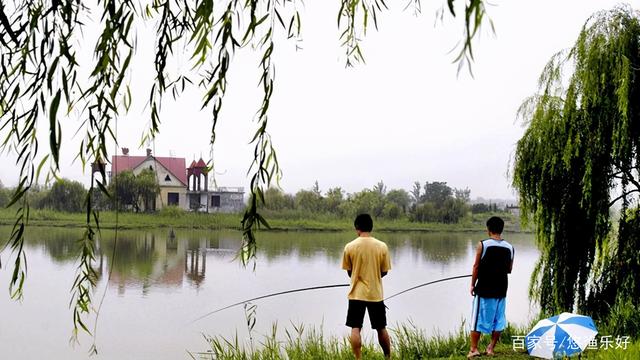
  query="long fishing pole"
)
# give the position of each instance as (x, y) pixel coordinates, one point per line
(427, 283)
(270, 295)
(325, 287)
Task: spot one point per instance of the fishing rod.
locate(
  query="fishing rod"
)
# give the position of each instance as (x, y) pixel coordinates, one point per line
(325, 287)
(270, 295)
(428, 283)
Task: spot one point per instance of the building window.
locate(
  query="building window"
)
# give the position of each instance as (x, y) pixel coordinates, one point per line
(167, 178)
(173, 198)
(215, 200)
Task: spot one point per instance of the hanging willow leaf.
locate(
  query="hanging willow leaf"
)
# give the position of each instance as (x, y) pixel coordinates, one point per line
(54, 136)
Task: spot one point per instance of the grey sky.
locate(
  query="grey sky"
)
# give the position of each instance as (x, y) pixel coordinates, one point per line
(403, 116)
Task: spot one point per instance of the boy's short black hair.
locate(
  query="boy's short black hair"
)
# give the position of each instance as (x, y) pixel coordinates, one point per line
(363, 222)
(495, 225)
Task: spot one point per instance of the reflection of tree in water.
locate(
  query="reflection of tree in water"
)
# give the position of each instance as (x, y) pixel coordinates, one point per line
(438, 248)
(303, 244)
(134, 259)
(148, 258)
(435, 247)
(59, 243)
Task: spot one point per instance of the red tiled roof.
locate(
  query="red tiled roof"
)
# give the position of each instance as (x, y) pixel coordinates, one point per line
(201, 163)
(121, 163)
(176, 166)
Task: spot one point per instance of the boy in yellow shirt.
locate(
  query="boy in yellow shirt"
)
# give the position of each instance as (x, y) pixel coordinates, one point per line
(366, 260)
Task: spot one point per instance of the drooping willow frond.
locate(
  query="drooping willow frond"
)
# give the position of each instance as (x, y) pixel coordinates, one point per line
(581, 147)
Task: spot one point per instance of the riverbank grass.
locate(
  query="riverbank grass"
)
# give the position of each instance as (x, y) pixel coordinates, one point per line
(180, 219)
(408, 343)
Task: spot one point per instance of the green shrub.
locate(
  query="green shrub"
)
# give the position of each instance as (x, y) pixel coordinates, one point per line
(172, 211)
(624, 319)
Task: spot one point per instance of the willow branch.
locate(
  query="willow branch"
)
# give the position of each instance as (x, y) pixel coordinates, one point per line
(623, 196)
(627, 175)
(631, 178)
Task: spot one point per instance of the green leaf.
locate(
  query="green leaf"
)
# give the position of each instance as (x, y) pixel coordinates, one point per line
(280, 19)
(116, 86)
(53, 127)
(42, 162)
(451, 9)
(52, 70)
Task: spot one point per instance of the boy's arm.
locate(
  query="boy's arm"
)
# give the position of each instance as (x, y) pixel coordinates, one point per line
(513, 254)
(476, 266)
(385, 264)
(346, 262)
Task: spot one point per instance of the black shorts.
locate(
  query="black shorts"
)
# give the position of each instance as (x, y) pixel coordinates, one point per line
(377, 314)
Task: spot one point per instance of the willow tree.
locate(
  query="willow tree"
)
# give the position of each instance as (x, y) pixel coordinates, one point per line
(43, 85)
(577, 162)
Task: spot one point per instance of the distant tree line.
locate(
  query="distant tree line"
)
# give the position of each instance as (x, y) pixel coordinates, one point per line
(64, 195)
(128, 192)
(426, 202)
(480, 208)
(429, 202)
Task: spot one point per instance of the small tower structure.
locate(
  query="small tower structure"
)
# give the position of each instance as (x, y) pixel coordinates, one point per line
(196, 173)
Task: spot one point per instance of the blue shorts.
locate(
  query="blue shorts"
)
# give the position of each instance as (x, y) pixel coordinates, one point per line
(487, 314)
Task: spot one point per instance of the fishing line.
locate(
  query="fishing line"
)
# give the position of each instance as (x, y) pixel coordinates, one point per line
(325, 287)
(115, 237)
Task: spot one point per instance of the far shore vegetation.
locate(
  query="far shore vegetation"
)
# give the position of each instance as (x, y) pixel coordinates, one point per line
(172, 217)
(432, 206)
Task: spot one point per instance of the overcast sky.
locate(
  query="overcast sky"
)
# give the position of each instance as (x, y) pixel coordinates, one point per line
(405, 115)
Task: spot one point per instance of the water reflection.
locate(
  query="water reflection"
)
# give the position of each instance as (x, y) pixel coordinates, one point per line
(159, 282)
(163, 257)
(155, 258)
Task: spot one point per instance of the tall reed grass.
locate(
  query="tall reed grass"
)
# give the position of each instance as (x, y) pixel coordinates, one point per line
(299, 342)
(408, 343)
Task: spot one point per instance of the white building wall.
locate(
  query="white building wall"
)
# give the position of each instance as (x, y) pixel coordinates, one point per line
(173, 185)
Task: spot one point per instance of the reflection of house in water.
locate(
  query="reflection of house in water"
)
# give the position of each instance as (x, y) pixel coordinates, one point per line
(195, 261)
(195, 266)
(153, 260)
(148, 261)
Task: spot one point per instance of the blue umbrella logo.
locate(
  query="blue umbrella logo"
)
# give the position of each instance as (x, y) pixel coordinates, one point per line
(561, 335)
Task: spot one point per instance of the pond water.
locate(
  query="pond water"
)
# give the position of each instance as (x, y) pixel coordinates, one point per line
(159, 285)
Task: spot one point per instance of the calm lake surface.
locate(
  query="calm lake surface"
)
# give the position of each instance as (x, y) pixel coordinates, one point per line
(159, 285)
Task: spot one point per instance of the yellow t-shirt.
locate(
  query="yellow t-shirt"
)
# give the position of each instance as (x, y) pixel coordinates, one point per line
(366, 258)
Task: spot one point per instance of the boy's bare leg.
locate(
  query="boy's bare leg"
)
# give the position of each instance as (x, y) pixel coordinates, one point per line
(475, 338)
(385, 342)
(495, 336)
(356, 343)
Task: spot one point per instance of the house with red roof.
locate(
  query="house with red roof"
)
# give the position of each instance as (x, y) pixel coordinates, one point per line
(180, 186)
(170, 172)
